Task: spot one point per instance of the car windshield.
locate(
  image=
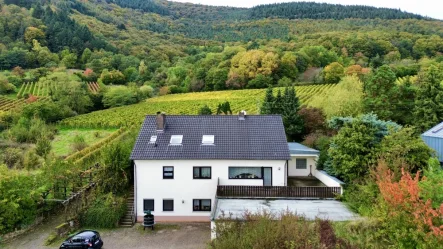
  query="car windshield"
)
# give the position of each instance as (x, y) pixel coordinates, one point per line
(78, 239)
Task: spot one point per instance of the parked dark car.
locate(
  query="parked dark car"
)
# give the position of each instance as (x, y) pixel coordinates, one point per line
(86, 239)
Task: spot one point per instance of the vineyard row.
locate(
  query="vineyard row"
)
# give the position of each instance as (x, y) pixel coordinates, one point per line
(187, 104)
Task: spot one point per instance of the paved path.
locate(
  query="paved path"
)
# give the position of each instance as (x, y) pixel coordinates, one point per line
(36, 237)
(185, 236)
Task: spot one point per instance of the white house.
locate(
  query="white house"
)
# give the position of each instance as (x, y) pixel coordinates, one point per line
(180, 160)
(184, 164)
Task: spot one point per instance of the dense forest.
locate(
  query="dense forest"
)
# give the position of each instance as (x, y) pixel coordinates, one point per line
(368, 82)
(312, 10)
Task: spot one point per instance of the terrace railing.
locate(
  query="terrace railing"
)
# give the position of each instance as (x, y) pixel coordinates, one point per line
(228, 191)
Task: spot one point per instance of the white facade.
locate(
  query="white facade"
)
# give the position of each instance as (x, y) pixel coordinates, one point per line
(184, 188)
(311, 162)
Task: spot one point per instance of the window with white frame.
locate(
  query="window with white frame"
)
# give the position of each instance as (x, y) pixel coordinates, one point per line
(301, 163)
(176, 140)
(245, 173)
(208, 139)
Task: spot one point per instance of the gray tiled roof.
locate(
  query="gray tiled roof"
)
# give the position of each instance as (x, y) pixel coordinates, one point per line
(300, 149)
(258, 137)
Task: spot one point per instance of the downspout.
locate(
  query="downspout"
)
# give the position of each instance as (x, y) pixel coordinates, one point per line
(135, 191)
(286, 172)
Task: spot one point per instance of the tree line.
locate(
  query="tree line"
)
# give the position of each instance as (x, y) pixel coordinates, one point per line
(312, 10)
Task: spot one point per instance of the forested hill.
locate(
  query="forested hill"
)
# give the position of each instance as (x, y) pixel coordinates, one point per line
(311, 10)
(293, 10)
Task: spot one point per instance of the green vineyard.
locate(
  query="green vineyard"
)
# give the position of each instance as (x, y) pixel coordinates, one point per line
(93, 87)
(188, 103)
(8, 104)
(41, 89)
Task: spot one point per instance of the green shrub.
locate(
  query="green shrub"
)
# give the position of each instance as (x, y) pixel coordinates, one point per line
(19, 198)
(432, 186)
(112, 77)
(362, 197)
(105, 212)
(97, 134)
(79, 143)
(120, 96)
(31, 160)
(5, 86)
(112, 176)
(363, 233)
(43, 147)
(262, 231)
(30, 130)
(205, 110)
(265, 230)
(48, 111)
(13, 157)
(147, 91)
(284, 82)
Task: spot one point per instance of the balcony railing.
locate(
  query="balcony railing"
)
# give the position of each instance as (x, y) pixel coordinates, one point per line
(228, 191)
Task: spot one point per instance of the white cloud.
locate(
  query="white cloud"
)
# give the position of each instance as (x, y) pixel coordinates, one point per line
(431, 8)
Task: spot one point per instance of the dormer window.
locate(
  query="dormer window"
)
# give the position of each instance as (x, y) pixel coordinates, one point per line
(153, 139)
(176, 140)
(208, 139)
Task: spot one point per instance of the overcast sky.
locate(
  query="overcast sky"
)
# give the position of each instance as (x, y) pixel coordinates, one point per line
(431, 8)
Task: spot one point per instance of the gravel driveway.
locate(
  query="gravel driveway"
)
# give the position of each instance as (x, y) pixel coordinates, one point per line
(185, 235)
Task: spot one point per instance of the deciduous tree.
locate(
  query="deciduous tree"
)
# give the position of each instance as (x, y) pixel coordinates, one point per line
(380, 93)
(333, 72)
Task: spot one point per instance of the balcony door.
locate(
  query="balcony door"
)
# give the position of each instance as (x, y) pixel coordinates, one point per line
(267, 176)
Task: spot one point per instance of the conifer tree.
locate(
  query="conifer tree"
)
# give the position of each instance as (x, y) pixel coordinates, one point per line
(291, 119)
(268, 104)
(277, 108)
(429, 100)
(224, 108)
(404, 104)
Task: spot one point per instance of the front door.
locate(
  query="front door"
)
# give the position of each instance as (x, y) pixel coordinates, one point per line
(267, 176)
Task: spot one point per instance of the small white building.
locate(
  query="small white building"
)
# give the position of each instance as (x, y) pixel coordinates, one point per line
(183, 164)
(303, 160)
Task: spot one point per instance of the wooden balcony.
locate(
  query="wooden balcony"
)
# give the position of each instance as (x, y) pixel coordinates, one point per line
(225, 191)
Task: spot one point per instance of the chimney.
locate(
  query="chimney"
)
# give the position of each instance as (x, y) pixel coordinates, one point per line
(241, 115)
(161, 121)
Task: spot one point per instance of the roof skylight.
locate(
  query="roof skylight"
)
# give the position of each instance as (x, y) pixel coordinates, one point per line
(176, 140)
(153, 139)
(208, 139)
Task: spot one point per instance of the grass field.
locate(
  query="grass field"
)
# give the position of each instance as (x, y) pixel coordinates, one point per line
(188, 103)
(61, 145)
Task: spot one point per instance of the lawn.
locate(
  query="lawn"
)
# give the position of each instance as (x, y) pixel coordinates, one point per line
(62, 143)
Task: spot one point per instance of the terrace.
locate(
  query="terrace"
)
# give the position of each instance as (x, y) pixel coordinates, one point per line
(320, 186)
